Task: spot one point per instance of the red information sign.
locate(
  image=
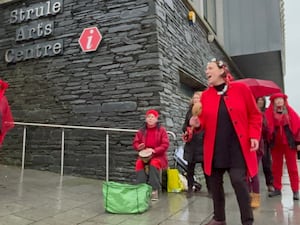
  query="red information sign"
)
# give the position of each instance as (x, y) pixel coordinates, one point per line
(90, 39)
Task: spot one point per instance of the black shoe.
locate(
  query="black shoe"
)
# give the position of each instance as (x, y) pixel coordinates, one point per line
(275, 193)
(296, 195)
(197, 186)
(214, 222)
(189, 194)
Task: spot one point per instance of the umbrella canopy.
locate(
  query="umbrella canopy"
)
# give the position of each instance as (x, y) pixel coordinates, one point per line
(260, 87)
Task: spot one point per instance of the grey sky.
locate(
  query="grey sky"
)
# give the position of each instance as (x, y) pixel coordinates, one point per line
(292, 45)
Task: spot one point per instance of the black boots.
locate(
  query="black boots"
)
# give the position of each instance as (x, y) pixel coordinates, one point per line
(274, 193)
(214, 222)
(277, 192)
(296, 195)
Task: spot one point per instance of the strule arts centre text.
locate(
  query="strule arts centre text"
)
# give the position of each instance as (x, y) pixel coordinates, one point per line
(33, 30)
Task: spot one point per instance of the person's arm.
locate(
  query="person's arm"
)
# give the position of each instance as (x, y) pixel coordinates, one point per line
(297, 140)
(186, 121)
(0, 122)
(254, 119)
(138, 142)
(295, 120)
(2, 109)
(164, 143)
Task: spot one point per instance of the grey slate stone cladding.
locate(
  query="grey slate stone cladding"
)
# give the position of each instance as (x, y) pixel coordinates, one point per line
(145, 45)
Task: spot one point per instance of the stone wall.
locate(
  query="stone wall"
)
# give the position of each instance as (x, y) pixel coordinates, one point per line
(136, 67)
(181, 48)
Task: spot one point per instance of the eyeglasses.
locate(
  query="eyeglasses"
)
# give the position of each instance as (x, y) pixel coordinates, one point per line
(219, 63)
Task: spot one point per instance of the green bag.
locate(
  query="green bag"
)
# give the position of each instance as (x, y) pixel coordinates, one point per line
(126, 198)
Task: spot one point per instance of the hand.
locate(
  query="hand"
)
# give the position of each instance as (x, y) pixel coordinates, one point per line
(298, 147)
(153, 151)
(184, 137)
(194, 121)
(141, 146)
(254, 144)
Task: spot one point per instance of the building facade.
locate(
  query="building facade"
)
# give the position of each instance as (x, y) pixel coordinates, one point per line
(254, 38)
(150, 56)
(251, 32)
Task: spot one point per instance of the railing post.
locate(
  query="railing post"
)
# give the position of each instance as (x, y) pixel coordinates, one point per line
(24, 146)
(107, 156)
(62, 152)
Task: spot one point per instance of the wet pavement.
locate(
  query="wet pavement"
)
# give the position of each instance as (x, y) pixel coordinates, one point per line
(44, 198)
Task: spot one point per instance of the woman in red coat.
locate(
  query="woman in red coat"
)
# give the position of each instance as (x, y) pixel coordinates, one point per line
(284, 128)
(152, 137)
(232, 125)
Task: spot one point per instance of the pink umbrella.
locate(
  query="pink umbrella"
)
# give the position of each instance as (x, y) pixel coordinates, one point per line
(260, 87)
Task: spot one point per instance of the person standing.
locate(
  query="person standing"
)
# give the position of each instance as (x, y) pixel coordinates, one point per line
(193, 149)
(266, 158)
(152, 136)
(232, 125)
(284, 132)
(254, 184)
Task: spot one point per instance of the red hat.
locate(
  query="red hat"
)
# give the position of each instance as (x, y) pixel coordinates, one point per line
(278, 95)
(153, 112)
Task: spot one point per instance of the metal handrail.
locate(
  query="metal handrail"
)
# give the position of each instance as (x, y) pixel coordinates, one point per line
(63, 127)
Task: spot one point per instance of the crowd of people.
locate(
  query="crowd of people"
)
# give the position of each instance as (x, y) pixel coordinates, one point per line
(227, 129)
(231, 133)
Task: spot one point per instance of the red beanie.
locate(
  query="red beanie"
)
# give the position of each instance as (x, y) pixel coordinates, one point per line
(153, 112)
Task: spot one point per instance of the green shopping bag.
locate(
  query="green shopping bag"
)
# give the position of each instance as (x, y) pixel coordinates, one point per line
(126, 198)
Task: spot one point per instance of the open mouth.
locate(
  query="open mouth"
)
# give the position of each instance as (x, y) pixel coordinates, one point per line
(208, 76)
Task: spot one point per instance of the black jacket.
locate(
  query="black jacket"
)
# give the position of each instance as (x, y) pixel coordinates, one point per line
(193, 150)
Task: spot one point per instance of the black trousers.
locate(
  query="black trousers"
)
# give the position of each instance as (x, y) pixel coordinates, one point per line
(266, 164)
(239, 184)
(190, 176)
(151, 177)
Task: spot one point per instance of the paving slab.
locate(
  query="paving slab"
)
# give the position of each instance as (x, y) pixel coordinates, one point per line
(32, 197)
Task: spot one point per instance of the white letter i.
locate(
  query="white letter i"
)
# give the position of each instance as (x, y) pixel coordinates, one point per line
(89, 42)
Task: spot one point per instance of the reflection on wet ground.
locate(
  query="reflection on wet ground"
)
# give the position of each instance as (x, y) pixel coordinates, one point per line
(43, 198)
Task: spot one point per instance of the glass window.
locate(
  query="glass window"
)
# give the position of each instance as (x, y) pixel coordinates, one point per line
(209, 10)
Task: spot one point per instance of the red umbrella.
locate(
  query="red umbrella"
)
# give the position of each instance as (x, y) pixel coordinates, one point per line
(260, 87)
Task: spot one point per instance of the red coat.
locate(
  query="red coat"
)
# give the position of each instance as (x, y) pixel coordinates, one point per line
(6, 118)
(161, 144)
(246, 119)
(291, 119)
